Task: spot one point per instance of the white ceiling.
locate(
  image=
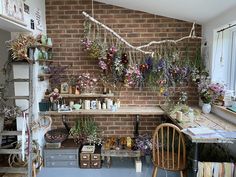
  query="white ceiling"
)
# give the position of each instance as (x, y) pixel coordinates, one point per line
(199, 11)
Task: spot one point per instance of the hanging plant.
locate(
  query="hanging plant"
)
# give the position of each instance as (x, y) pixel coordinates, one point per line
(19, 47)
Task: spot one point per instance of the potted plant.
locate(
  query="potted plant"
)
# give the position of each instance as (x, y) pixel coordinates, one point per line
(209, 93)
(86, 131)
(19, 47)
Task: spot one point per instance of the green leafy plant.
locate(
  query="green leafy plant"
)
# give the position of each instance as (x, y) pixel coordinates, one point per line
(86, 131)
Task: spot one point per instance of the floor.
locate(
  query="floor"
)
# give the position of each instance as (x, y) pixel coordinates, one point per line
(120, 167)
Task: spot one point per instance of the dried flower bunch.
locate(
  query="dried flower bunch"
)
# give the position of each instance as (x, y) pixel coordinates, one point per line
(19, 47)
(6, 111)
(144, 144)
(134, 77)
(86, 82)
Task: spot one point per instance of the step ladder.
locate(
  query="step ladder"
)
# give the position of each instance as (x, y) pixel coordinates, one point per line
(27, 170)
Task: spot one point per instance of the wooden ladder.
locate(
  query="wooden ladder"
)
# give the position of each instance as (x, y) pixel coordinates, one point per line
(22, 170)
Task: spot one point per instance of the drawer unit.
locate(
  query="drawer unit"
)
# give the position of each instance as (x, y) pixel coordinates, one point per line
(88, 160)
(62, 157)
(61, 164)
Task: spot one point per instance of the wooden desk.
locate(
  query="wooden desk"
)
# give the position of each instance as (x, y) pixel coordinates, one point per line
(208, 120)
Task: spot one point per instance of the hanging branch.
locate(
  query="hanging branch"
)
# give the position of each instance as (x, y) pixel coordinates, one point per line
(190, 36)
(115, 34)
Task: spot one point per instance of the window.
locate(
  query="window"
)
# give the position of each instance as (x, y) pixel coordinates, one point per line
(224, 58)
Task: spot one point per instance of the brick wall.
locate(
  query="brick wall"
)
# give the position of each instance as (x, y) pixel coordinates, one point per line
(65, 26)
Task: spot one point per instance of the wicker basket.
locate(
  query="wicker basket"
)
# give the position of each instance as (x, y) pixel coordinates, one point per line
(56, 135)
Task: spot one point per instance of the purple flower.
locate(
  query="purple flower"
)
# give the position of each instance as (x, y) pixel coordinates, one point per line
(161, 64)
(102, 65)
(149, 62)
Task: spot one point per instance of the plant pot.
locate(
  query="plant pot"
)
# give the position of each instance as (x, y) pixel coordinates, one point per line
(54, 106)
(43, 106)
(206, 108)
(148, 159)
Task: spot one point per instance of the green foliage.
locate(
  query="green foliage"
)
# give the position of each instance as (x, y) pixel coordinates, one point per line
(86, 130)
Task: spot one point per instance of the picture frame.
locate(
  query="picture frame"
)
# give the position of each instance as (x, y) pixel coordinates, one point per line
(13, 10)
(64, 87)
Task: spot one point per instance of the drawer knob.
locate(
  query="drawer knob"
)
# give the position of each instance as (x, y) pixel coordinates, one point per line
(95, 164)
(85, 164)
(95, 157)
(84, 157)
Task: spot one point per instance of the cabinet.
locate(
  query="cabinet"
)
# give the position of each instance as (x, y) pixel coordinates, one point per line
(66, 156)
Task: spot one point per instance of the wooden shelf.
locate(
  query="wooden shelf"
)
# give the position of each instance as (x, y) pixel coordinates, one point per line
(47, 47)
(225, 109)
(85, 95)
(120, 111)
(44, 61)
(44, 75)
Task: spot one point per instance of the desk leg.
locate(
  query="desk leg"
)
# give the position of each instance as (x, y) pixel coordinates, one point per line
(108, 161)
(195, 160)
(136, 133)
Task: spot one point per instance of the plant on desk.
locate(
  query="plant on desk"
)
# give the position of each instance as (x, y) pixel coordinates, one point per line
(86, 131)
(209, 93)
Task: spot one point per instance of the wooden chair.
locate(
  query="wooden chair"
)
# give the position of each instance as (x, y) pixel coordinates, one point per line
(169, 151)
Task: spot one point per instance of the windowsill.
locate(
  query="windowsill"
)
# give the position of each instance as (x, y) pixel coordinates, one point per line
(224, 113)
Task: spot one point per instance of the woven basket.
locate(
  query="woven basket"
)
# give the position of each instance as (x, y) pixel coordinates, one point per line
(56, 135)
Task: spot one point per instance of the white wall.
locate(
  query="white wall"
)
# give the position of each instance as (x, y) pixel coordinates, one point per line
(215, 66)
(40, 4)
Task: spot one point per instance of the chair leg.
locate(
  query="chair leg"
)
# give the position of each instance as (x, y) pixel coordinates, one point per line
(185, 173)
(154, 173)
(181, 174)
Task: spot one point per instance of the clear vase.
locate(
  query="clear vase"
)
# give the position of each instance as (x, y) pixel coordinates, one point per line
(206, 108)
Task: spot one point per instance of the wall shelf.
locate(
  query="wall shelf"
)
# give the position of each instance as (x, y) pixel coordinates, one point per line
(120, 111)
(85, 95)
(11, 26)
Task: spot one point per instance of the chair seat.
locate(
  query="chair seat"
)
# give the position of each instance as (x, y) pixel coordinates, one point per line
(173, 162)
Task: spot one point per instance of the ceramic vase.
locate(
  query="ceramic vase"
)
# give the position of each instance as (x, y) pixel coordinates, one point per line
(206, 108)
